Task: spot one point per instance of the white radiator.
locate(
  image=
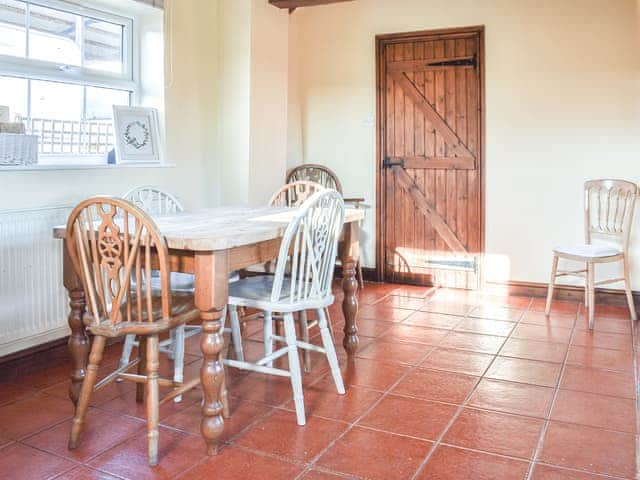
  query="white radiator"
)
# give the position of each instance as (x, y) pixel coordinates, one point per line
(33, 300)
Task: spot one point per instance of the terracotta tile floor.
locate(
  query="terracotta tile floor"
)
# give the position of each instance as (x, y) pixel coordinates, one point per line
(446, 385)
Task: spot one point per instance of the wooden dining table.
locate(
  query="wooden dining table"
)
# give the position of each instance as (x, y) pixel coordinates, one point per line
(209, 244)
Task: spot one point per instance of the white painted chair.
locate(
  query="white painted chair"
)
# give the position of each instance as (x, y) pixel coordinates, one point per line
(608, 215)
(308, 250)
(328, 179)
(294, 194)
(155, 201)
(289, 195)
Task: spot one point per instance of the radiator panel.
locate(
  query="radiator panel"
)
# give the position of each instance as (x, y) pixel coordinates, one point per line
(33, 301)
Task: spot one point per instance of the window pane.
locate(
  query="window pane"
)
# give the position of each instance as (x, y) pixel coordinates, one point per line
(103, 45)
(56, 117)
(13, 36)
(13, 93)
(56, 101)
(54, 36)
(101, 100)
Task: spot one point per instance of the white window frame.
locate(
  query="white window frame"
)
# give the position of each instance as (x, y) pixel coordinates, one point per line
(60, 72)
(33, 69)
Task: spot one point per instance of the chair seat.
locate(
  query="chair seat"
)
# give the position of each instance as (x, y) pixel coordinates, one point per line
(181, 282)
(255, 292)
(183, 311)
(588, 251)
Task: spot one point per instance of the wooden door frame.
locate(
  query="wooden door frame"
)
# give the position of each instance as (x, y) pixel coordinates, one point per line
(381, 42)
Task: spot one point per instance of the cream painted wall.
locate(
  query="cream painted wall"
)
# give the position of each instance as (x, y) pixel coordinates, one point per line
(294, 110)
(562, 106)
(269, 91)
(253, 58)
(234, 27)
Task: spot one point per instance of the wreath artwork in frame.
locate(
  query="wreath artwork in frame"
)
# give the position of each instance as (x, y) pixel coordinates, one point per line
(136, 133)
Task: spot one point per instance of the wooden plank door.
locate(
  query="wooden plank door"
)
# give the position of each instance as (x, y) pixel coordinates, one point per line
(430, 179)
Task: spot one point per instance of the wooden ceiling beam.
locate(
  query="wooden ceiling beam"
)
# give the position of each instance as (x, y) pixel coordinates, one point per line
(293, 4)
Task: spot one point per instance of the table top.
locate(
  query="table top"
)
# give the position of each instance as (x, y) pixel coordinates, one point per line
(224, 228)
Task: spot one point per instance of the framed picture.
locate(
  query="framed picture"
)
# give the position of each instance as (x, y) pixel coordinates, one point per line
(137, 134)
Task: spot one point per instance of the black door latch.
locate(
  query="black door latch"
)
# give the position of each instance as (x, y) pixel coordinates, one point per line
(388, 163)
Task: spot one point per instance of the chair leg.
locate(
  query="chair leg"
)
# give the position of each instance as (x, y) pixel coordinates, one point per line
(177, 347)
(627, 288)
(591, 306)
(279, 328)
(236, 335)
(242, 313)
(267, 335)
(330, 325)
(304, 334)
(88, 383)
(552, 281)
(294, 367)
(172, 344)
(586, 286)
(142, 367)
(224, 393)
(360, 276)
(153, 407)
(129, 343)
(332, 358)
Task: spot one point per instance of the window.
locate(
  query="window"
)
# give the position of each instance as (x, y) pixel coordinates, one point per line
(62, 67)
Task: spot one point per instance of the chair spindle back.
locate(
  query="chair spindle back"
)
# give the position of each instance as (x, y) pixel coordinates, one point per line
(294, 194)
(310, 245)
(111, 243)
(154, 200)
(315, 173)
(609, 206)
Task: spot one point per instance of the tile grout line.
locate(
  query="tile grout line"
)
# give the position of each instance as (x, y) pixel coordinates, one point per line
(583, 472)
(411, 369)
(532, 461)
(352, 425)
(83, 465)
(547, 418)
(385, 394)
(273, 409)
(455, 417)
(312, 464)
(461, 407)
(77, 463)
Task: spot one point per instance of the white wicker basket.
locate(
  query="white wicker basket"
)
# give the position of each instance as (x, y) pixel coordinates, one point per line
(18, 149)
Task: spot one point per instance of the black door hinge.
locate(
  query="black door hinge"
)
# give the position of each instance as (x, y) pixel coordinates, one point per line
(463, 62)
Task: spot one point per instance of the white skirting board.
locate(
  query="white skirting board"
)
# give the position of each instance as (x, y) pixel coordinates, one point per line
(33, 301)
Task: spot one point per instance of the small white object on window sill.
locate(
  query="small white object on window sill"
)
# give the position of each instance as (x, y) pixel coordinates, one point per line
(27, 168)
(18, 149)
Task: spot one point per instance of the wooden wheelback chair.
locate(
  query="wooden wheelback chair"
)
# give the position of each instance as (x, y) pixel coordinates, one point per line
(112, 244)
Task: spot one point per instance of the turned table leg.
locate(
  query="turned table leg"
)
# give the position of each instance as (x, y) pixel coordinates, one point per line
(211, 298)
(78, 341)
(350, 287)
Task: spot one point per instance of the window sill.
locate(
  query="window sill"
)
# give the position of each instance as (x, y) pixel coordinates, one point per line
(38, 168)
